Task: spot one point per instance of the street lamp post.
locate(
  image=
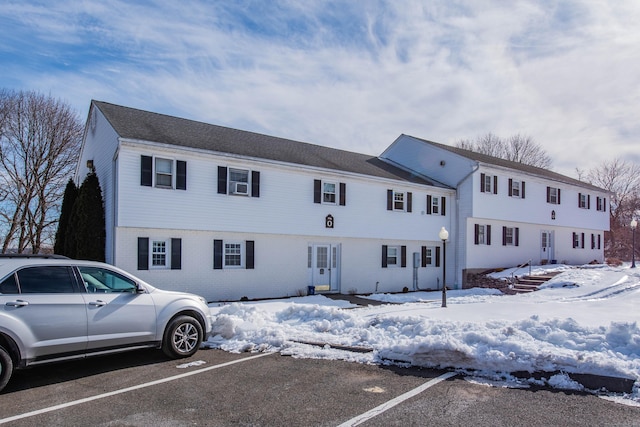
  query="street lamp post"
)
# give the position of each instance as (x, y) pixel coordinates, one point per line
(633, 225)
(444, 235)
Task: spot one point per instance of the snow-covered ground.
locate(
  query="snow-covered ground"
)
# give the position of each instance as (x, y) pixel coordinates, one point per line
(585, 320)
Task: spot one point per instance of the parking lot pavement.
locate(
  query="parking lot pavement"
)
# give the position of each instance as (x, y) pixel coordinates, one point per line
(215, 388)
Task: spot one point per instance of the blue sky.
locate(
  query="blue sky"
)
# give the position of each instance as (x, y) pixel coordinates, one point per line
(348, 74)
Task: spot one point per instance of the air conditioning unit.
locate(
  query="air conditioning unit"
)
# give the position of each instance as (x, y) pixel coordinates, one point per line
(240, 188)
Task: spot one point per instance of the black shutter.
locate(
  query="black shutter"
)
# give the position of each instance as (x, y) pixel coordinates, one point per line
(222, 180)
(389, 200)
(181, 175)
(143, 253)
(574, 240)
(582, 240)
(487, 234)
(176, 254)
(495, 184)
(579, 197)
(255, 184)
(516, 236)
(146, 170)
(510, 187)
(437, 256)
(443, 203)
(548, 194)
(429, 202)
(522, 189)
(588, 201)
(384, 256)
(424, 256)
(504, 236)
(558, 196)
(250, 254)
(409, 199)
(403, 256)
(593, 241)
(343, 194)
(476, 234)
(317, 191)
(217, 254)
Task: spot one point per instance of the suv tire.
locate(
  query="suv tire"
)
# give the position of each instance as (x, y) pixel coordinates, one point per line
(182, 338)
(6, 367)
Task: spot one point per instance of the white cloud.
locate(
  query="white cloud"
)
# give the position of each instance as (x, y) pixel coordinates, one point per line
(349, 74)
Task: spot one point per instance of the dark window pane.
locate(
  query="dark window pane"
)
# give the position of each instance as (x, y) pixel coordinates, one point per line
(45, 280)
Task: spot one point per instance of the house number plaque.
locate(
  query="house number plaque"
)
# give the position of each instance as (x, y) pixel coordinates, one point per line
(328, 221)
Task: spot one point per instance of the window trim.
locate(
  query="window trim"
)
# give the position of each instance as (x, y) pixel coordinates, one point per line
(401, 252)
(149, 172)
(173, 253)
(516, 193)
(165, 254)
(553, 195)
(247, 254)
(407, 198)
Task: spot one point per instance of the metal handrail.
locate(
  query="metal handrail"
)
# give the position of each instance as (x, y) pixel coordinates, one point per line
(525, 264)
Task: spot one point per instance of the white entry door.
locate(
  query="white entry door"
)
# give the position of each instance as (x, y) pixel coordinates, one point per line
(324, 263)
(546, 246)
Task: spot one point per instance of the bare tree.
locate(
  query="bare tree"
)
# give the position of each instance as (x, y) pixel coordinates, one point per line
(622, 179)
(39, 146)
(517, 148)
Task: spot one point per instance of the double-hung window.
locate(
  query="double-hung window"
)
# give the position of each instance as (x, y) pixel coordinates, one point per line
(329, 192)
(553, 195)
(239, 182)
(584, 201)
(164, 173)
(430, 256)
(399, 201)
(159, 254)
(482, 234)
(394, 256)
(510, 236)
(436, 205)
(488, 183)
(161, 172)
(233, 254)
(516, 188)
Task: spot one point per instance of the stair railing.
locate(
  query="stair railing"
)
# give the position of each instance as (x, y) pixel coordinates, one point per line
(514, 278)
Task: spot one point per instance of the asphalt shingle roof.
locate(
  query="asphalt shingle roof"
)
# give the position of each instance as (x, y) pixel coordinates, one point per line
(131, 123)
(496, 161)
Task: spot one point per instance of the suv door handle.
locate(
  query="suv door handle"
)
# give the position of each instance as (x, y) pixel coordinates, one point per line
(17, 303)
(98, 303)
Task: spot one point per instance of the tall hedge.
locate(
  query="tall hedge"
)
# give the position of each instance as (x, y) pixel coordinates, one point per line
(85, 236)
(69, 199)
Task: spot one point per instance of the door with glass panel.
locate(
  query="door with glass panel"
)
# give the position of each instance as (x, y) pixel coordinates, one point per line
(546, 246)
(324, 264)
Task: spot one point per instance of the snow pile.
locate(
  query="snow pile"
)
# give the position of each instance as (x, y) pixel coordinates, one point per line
(582, 321)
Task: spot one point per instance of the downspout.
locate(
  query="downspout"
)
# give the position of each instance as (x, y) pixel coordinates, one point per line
(458, 225)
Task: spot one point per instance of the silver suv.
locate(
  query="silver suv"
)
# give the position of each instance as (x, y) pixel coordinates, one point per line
(54, 308)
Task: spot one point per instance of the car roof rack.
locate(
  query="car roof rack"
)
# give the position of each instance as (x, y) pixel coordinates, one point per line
(40, 256)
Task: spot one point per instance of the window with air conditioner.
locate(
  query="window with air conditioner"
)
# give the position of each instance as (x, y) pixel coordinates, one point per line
(239, 182)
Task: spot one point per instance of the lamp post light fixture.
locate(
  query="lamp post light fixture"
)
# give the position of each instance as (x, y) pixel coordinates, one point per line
(444, 235)
(633, 225)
